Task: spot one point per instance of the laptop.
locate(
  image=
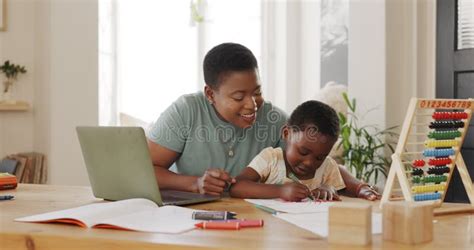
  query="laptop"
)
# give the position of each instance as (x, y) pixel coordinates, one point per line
(119, 167)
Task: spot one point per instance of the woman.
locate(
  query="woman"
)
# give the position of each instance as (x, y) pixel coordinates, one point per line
(212, 136)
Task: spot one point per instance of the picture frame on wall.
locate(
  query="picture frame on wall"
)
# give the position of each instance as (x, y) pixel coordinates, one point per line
(3, 15)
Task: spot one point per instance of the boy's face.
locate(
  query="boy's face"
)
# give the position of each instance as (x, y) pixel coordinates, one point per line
(237, 97)
(306, 151)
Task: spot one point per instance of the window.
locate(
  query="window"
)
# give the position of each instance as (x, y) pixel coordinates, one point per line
(465, 24)
(157, 48)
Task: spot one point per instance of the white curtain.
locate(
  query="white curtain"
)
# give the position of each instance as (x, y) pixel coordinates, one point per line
(291, 52)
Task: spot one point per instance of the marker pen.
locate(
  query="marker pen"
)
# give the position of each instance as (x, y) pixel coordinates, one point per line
(213, 215)
(6, 197)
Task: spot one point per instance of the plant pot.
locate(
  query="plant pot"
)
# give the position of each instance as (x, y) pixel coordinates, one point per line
(7, 95)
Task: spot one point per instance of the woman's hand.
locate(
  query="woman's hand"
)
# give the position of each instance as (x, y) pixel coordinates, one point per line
(368, 193)
(328, 193)
(293, 191)
(213, 182)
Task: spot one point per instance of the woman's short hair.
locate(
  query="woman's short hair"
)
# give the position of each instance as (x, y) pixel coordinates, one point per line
(225, 58)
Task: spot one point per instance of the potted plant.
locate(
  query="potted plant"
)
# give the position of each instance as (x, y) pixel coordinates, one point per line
(365, 147)
(11, 71)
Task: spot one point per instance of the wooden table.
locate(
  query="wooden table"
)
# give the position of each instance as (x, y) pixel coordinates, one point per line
(451, 231)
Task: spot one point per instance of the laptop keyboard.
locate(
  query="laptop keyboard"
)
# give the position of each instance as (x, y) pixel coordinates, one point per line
(173, 198)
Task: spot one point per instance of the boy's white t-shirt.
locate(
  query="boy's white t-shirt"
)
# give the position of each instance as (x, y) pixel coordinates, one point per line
(270, 165)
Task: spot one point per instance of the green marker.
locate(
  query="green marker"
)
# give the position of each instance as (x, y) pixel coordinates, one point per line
(295, 179)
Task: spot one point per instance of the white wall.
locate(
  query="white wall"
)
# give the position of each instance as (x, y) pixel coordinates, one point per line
(17, 45)
(391, 56)
(367, 57)
(426, 48)
(57, 40)
(401, 52)
(411, 60)
(73, 84)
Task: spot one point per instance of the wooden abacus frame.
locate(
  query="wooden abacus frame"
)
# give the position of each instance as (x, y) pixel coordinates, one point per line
(397, 169)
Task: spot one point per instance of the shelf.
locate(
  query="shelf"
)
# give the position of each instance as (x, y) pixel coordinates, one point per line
(17, 106)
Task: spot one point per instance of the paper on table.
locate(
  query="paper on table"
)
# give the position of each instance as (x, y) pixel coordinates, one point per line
(133, 214)
(305, 206)
(166, 219)
(88, 215)
(318, 222)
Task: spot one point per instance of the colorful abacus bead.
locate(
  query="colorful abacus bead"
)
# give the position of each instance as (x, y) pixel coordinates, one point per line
(441, 143)
(439, 161)
(449, 115)
(418, 163)
(438, 170)
(444, 135)
(426, 197)
(434, 179)
(428, 188)
(438, 152)
(417, 171)
(416, 179)
(446, 124)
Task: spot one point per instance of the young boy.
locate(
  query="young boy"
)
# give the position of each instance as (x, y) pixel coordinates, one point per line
(310, 134)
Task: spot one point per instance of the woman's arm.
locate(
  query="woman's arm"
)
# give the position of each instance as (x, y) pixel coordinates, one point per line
(357, 188)
(212, 182)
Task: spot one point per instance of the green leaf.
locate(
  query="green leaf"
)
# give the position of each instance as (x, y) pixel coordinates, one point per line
(346, 99)
(363, 147)
(391, 148)
(342, 118)
(12, 70)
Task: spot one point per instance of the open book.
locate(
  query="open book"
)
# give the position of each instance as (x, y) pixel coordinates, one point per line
(132, 214)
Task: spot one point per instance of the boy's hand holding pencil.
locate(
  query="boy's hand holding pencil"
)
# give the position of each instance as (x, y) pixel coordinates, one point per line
(294, 191)
(322, 193)
(295, 179)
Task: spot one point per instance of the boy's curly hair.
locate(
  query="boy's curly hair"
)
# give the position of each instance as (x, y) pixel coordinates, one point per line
(316, 115)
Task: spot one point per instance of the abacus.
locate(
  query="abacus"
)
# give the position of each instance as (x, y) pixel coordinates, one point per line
(428, 150)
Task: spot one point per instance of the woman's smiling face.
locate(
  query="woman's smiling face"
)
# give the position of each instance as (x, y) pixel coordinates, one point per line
(237, 98)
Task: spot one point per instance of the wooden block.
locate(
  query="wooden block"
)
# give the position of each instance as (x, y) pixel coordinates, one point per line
(408, 222)
(350, 224)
